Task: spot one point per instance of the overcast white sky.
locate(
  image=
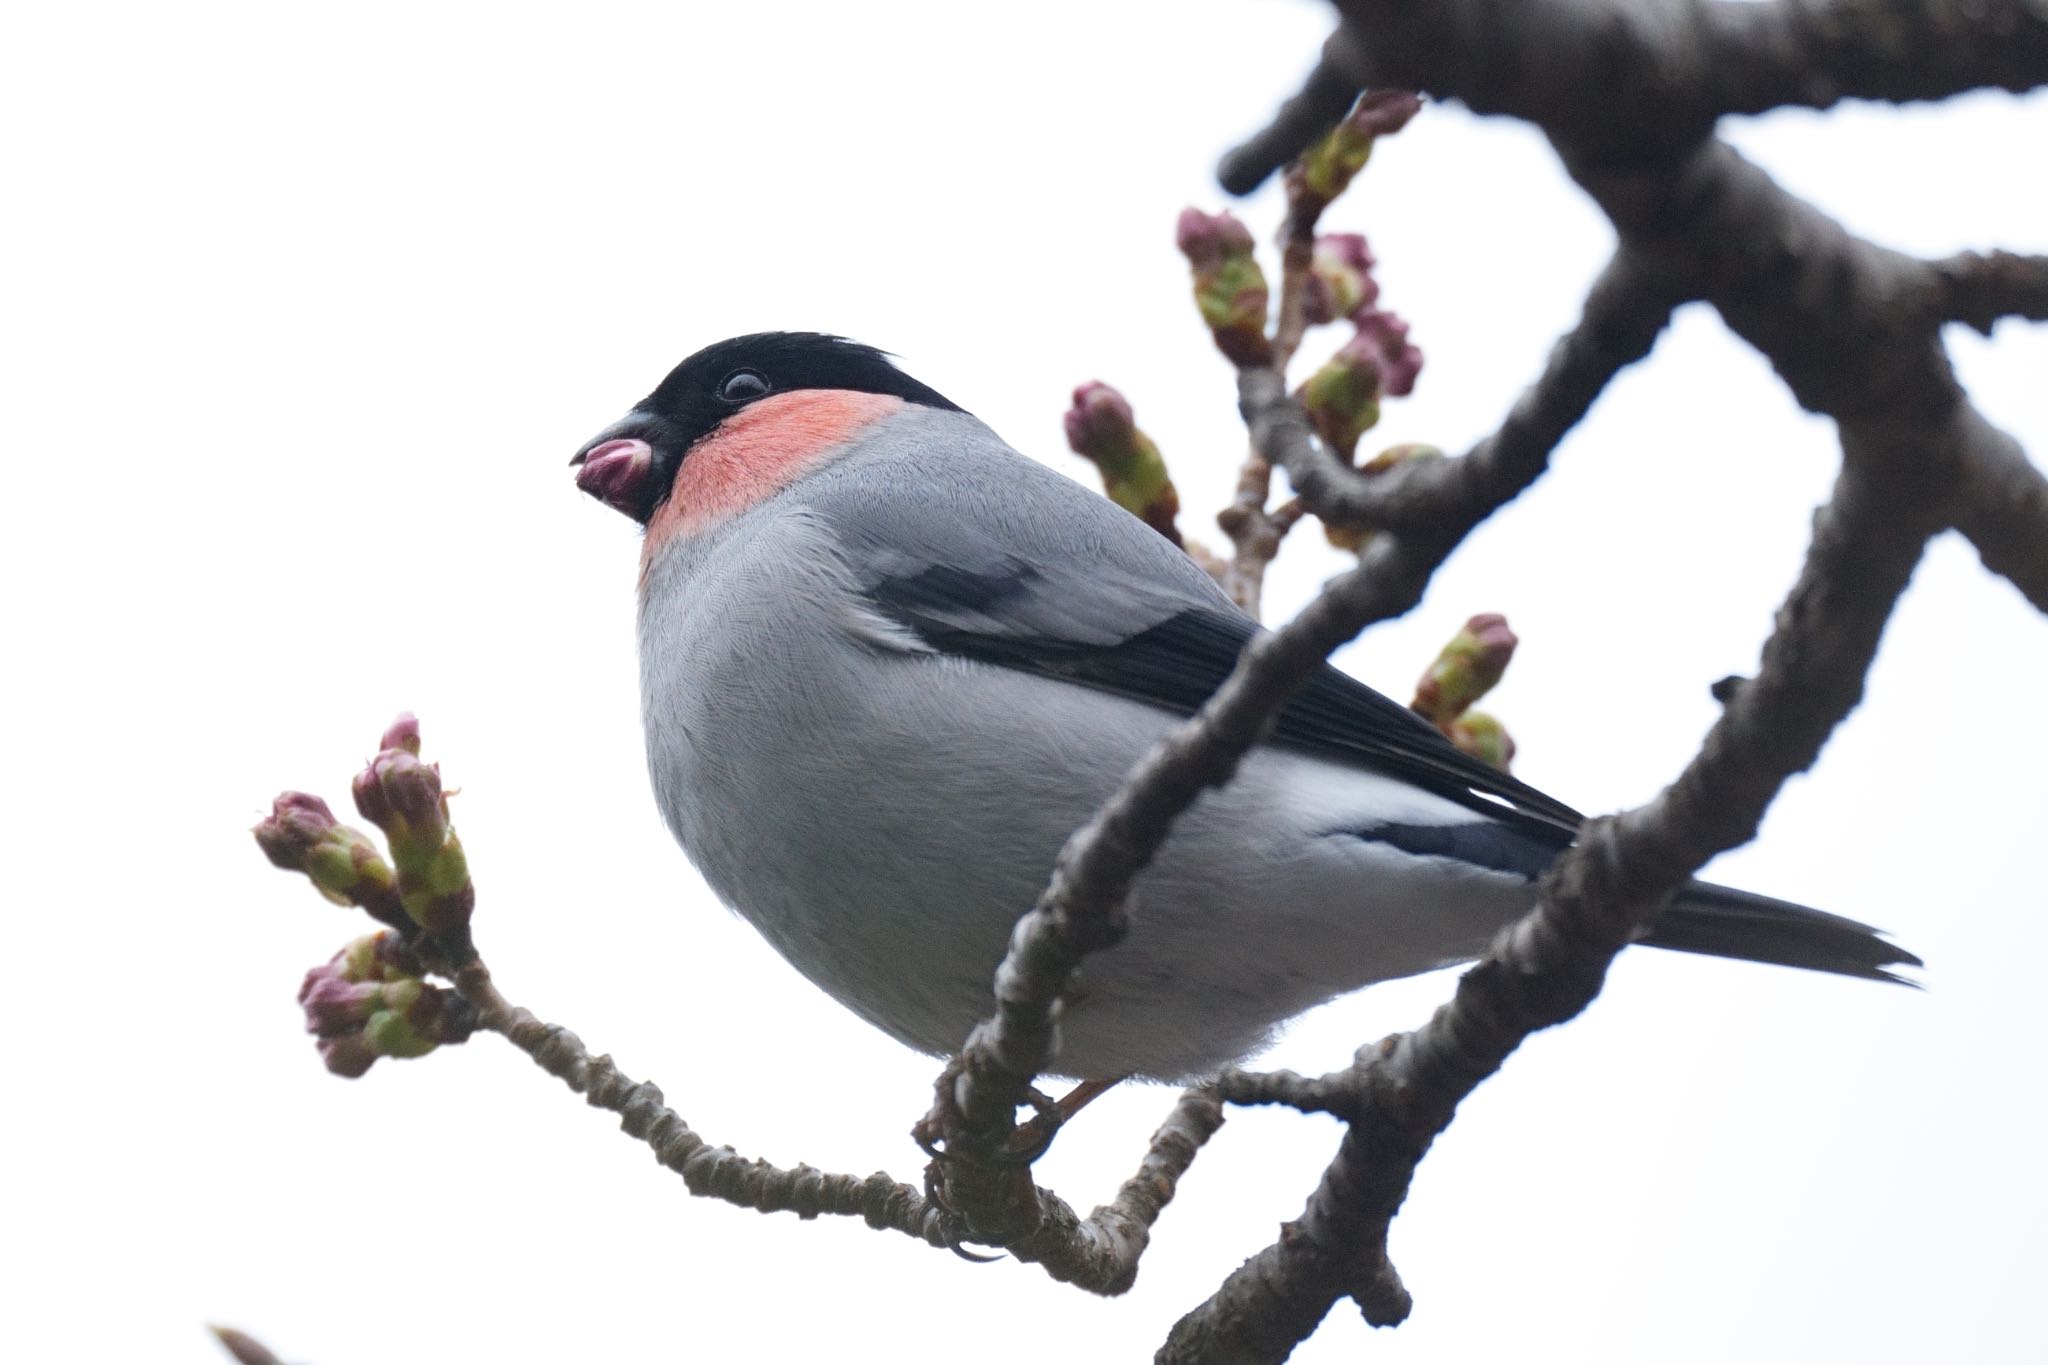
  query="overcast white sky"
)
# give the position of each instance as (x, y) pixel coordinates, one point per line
(305, 310)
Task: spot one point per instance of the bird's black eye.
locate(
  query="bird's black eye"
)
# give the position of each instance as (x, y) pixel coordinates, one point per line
(741, 386)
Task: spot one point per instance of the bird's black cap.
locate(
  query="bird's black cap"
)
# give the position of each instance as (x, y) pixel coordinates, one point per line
(632, 464)
(722, 378)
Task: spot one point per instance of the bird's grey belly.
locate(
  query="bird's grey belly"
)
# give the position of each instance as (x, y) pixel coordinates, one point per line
(886, 837)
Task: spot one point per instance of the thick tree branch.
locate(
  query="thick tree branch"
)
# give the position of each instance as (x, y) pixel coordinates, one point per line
(2002, 505)
(1979, 289)
(1325, 97)
(1647, 76)
(1549, 965)
(1851, 328)
(1755, 57)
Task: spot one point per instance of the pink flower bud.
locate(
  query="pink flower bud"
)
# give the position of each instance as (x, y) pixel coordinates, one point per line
(1380, 112)
(1327, 169)
(348, 1055)
(402, 796)
(1384, 336)
(1340, 278)
(404, 733)
(370, 1000)
(1209, 239)
(1485, 738)
(1230, 289)
(1100, 424)
(297, 824)
(1101, 427)
(1467, 669)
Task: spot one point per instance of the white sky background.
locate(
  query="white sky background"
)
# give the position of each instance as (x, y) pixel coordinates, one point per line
(305, 311)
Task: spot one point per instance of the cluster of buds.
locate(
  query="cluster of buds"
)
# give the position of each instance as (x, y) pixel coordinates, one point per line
(1101, 428)
(1230, 289)
(1326, 170)
(1465, 671)
(1343, 397)
(372, 1000)
(403, 797)
(428, 889)
(1340, 281)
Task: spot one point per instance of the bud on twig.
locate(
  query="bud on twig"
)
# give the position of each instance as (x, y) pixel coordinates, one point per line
(1485, 738)
(1101, 428)
(1384, 336)
(1342, 398)
(1230, 289)
(370, 1000)
(1326, 169)
(1466, 670)
(403, 797)
(1340, 278)
(302, 835)
(403, 733)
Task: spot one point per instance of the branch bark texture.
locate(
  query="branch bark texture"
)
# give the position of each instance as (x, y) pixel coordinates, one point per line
(1629, 94)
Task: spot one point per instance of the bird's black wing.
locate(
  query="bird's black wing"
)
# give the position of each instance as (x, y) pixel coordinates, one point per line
(1005, 612)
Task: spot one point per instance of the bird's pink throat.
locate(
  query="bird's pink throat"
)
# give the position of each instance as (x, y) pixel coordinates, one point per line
(756, 453)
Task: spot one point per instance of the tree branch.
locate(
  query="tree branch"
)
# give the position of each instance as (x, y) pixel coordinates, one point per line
(1623, 315)
(1982, 288)
(1549, 965)
(1325, 97)
(1642, 77)
(2002, 505)
(1099, 1253)
(1696, 220)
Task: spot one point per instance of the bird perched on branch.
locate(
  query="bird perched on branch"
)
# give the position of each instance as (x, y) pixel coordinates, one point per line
(888, 665)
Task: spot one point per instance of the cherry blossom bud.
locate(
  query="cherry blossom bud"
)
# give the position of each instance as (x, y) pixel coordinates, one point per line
(1326, 169)
(1342, 398)
(343, 864)
(1340, 278)
(404, 733)
(1485, 738)
(1100, 427)
(1466, 670)
(1230, 289)
(1385, 337)
(403, 797)
(370, 1000)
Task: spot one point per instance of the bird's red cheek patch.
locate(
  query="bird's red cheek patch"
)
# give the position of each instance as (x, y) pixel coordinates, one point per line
(757, 452)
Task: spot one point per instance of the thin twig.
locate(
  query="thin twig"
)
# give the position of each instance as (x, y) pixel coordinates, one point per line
(1099, 1253)
(1623, 316)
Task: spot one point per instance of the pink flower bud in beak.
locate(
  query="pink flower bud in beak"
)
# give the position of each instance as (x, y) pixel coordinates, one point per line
(616, 473)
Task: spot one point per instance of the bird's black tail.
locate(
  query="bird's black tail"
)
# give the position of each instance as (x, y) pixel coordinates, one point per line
(1725, 922)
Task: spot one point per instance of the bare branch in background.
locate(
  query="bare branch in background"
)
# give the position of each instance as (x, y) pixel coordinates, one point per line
(1982, 289)
(1649, 76)
(1838, 318)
